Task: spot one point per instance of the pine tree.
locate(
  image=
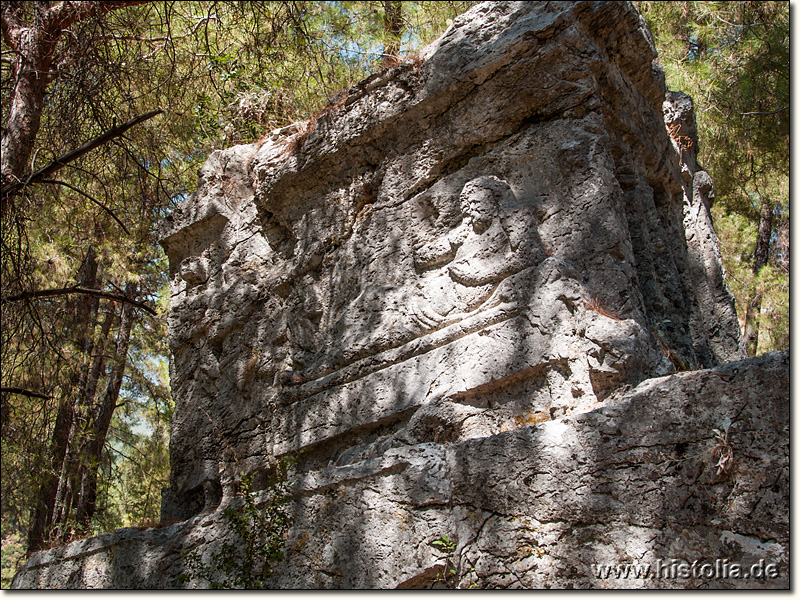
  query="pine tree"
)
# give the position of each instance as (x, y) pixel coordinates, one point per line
(733, 58)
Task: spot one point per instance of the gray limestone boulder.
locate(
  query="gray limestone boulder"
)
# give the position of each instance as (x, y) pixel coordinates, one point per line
(447, 297)
(683, 482)
(506, 225)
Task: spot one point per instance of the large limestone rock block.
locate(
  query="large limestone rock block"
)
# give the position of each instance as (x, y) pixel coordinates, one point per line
(454, 245)
(683, 482)
(439, 297)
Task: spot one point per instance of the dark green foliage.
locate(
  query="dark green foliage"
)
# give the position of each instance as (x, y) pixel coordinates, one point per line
(733, 59)
(247, 559)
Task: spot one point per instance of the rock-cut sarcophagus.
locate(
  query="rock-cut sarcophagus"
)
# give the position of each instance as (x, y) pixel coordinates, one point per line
(451, 298)
(498, 233)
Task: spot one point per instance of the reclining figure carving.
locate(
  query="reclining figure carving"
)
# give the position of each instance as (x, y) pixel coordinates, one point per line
(461, 272)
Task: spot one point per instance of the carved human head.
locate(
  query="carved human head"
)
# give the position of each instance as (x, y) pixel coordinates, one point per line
(480, 198)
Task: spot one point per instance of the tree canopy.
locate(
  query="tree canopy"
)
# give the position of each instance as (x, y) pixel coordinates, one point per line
(733, 59)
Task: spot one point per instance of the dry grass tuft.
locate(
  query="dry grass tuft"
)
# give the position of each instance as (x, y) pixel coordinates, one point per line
(596, 306)
(296, 142)
(673, 357)
(722, 453)
(683, 141)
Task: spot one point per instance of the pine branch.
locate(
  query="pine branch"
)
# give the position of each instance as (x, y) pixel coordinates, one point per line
(82, 193)
(79, 290)
(769, 112)
(24, 392)
(13, 188)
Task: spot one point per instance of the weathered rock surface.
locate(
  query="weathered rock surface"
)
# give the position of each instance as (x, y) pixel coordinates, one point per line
(634, 482)
(493, 234)
(437, 298)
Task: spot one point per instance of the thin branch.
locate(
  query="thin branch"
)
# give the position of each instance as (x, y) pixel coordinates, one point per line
(101, 139)
(60, 162)
(24, 392)
(79, 290)
(64, 14)
(771, 112)
(82, 193)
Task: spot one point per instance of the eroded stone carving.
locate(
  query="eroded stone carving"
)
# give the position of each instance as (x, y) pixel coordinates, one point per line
(460, 272)
(523, 259)
(476, 256)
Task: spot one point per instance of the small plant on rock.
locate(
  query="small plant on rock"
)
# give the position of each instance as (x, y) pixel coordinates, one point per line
(448, 574)
(260, 529)
(722, 452)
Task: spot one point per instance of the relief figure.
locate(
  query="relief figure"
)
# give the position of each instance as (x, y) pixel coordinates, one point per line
(460, 272)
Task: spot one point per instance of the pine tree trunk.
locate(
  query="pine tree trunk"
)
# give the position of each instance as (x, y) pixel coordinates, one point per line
(43, 512)
(55, 490)
(99, 363)
(87, 500)
(34, 53)
(392, 28)
(752, 319)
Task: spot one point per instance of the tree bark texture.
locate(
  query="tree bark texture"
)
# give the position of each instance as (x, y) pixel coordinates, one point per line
(34, 45)
(393, 28)
(43, 511)
(55, 490)
(752, 320)
(101, 419)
